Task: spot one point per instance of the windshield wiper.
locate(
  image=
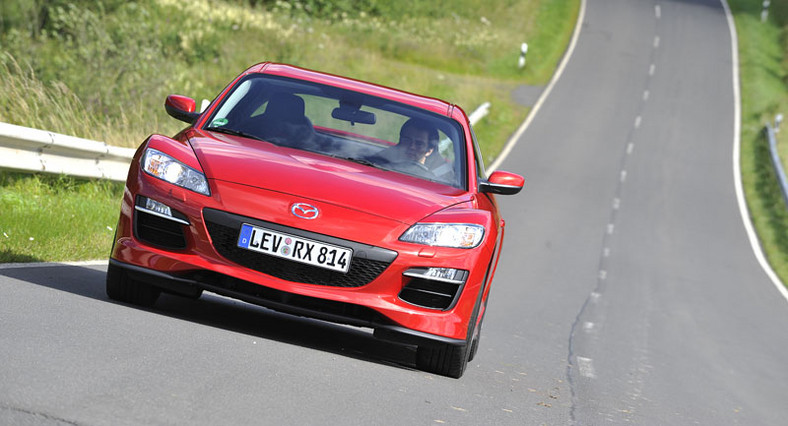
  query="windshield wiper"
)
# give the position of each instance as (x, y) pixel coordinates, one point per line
(233, 132)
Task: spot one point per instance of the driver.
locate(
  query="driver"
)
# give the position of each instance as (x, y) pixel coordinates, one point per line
(417, 140)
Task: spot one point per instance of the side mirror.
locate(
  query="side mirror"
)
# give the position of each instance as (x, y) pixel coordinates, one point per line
(503, 183)
(181, 107)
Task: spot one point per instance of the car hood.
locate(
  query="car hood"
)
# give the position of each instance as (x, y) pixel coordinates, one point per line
(307, 175)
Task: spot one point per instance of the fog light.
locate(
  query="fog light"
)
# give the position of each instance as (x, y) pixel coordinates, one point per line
(441, 273)
(158, 207)
(448, 275)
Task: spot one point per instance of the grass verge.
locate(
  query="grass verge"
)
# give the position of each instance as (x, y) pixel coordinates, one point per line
(763, 55)
(56, 218)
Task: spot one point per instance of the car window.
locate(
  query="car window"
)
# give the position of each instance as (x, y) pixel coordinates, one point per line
(342, 123)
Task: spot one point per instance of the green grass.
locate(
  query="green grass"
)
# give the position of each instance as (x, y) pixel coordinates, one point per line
(45, 218)
(101, 70)
(763, 54)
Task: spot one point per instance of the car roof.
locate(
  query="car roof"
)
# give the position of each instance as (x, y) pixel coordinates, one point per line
(431, 104)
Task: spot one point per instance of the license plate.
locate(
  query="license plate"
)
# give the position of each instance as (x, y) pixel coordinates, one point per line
(295, 248)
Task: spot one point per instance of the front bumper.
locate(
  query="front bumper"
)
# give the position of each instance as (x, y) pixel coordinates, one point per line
(192, 284)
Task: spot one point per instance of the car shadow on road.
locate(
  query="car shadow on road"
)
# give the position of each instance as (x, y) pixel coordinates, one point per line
(224, 313)
(241, 317)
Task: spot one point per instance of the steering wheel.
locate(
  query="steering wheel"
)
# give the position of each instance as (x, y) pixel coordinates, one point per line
(414, 168)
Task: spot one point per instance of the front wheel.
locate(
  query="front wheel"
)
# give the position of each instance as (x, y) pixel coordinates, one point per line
(474, 348)
(123, 288)
(446, 360)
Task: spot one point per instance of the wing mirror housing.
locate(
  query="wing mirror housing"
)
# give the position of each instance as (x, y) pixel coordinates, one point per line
(181, 107)
(503, 183)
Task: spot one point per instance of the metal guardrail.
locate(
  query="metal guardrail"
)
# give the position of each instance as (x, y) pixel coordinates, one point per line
(479, 113)
(778, 165)
(33, 150)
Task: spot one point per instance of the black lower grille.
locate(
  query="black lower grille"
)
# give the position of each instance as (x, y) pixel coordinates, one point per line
(158, 231)
(225, 227)
(429, 294)
(347, 313)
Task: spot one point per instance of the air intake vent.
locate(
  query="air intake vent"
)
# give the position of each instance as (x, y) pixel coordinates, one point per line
(158, 231)
(429, 291)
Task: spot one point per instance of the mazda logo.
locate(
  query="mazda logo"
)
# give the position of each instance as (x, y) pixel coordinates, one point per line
(304, 211)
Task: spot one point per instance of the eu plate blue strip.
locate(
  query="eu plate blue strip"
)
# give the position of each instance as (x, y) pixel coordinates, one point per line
(245, 237)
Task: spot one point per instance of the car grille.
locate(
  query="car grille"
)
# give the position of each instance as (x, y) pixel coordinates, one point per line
(282, 301)
(224, 228)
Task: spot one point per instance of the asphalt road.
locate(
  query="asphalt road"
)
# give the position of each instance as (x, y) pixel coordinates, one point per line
(627, 293)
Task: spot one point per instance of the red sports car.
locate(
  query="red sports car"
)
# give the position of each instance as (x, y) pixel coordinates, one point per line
(320, 196)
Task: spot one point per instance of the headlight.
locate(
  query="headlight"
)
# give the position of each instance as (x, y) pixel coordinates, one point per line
(164, 167)
(457, 235)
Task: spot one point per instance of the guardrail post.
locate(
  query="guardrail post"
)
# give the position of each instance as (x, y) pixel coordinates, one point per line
(523, 51)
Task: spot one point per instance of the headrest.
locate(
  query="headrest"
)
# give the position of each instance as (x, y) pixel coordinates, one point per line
(285, 106)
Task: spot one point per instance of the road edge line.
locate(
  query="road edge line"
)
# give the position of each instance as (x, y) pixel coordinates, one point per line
(743, 210)
(557, 75)
(52, 264)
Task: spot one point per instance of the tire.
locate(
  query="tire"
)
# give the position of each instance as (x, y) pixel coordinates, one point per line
(474, 347)
(123, 288)
(446, 360)
(475, 342)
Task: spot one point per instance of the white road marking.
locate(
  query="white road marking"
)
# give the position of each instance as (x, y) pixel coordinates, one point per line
(630, 147)
(745, 215)
(652, 69)
(646, 94)
(586, 367)
(588, 326)
(52, 264)
(638, 121)
(623, 176)
(658, 11)
(656, 42)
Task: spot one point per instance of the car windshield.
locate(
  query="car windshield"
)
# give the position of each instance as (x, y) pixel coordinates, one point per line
(345, 124)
